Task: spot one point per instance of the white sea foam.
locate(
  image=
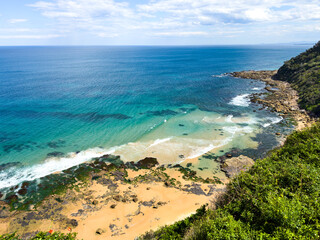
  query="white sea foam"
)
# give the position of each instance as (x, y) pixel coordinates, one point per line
(229, 118)
(159, 141)
(13, 176)
(235, 129)
(200, 151)
(256, 89)
(272, 120)
(241, 100)
(220, 75)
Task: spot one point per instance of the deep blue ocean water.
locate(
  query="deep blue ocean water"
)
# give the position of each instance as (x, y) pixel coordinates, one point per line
(57, 101)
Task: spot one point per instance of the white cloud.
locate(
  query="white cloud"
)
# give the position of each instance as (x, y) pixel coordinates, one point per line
(236, 11)
(107, 35)
(17, 20)
(30, 36)
(84, 9)
(185, 18)
(183, 34)
(15, 30)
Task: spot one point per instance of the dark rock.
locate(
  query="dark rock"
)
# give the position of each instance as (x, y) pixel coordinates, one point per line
(56, 144)
(148, 162)
(100, 231)
(181, 125)
(229, 155)
(96, 177)
(189, 164)
(12, 198)
(22, 191)
(167, 184)
(25, 185)
(55, 154)
(162, 112)
(177, 166)
(73, 222)
(112, 227)
(161, 203)
(95, 202)
(117, 198)
(9, 165)
(278, 134)
(113, 206)
(148, 203)
(185, 134)
(181, 156)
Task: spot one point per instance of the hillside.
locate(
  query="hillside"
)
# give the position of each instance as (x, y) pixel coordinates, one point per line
(303, 72)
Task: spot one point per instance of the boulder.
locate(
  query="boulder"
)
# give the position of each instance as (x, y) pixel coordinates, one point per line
(233, 166)
(147, 162)
(73, 222)
(100, 231)
(22, 191)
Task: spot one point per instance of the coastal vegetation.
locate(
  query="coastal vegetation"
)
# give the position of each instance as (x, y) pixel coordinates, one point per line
(278, 198)
(42, 236)
(303, 73)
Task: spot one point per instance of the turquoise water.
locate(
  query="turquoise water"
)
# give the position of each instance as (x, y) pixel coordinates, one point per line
(60, 106)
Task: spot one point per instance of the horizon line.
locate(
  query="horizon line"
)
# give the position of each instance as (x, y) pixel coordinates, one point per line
(161, 45)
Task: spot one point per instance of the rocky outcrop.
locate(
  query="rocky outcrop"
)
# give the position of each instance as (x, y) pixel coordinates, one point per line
(233, 166)
(280, 97)
(147, 162)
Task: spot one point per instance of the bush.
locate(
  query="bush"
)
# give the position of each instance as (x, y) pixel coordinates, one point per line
(278, 198)
(42, 236)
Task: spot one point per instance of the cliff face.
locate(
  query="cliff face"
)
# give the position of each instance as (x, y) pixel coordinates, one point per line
(303, 72)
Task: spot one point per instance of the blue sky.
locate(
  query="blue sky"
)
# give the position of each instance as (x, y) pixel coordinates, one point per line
(158, 22)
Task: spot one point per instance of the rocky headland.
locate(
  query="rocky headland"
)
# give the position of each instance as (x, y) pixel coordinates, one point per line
(280, 97)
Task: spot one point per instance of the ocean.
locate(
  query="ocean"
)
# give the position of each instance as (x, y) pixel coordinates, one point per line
(62, 106)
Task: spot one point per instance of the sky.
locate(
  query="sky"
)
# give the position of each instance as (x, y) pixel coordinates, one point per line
(158, 22)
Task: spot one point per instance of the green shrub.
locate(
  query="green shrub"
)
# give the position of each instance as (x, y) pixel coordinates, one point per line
(303, 72)
(42, 236)
(278, 198)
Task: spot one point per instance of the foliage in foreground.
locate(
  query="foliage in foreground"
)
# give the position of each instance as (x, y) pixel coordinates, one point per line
(42, 236)
(303, 72)
(278, 198)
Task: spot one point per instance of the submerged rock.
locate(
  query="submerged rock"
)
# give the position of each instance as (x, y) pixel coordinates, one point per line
(22, 191)
(55, 154)
(147, 162)
(12, 198)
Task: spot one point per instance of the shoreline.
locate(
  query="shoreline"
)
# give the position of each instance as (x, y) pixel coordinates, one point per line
(127, 203)
(280, 97)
